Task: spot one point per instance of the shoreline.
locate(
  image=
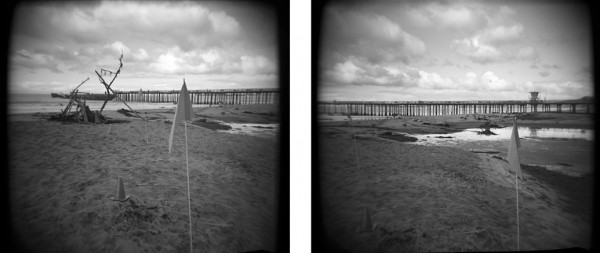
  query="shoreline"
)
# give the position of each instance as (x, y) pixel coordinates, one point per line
(259, 113)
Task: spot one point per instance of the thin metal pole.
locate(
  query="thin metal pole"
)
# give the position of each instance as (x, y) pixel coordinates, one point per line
(188, 185)
(356, 149)
(146, 130)
(517, 191)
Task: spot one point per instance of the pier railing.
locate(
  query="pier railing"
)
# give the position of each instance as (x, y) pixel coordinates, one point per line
(206, 97)
(432, 108)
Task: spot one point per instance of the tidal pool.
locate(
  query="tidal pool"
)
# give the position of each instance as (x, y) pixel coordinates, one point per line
(261, 130)
(536, 133)
(569, 151)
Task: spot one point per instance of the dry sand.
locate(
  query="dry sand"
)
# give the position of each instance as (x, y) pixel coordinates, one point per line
(62, 176)
(434, 198)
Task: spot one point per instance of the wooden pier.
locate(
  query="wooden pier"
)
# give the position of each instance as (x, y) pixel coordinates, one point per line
(433, 108)
(205, 97)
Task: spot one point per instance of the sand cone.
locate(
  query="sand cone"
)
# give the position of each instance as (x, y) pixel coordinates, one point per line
(120, 193)
(365, 222)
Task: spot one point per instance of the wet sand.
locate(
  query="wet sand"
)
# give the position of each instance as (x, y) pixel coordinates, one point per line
(62, 176)
(437, 198)
(455, 123)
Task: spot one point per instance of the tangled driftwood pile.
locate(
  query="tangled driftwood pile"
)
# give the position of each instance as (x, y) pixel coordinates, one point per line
(77, 111)
(81, 112)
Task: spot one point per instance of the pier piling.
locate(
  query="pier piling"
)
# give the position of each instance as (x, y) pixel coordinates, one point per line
(206, 97)
(434, 108)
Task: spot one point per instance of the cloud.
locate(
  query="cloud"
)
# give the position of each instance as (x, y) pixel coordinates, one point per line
(544, 73)
(32, 60)
(434, 61)
(156, 38)
(256, 65)
(501, 34)
(534, 65)
(506, 12)
(224, 24)
(346, 72)
(141, 55)
(360, 72)
(373, 37)
(118, 47)
(560, 89)
(477, 51)
(470, 82)
(499, 41)
(482, 48)
(550, 66)
(177, 61)
(37, 85)
(504, 15)
(492, 82)
(490, 44)
(355, 71)
(434, 14)
(486, 82)
(584, 70)
(430, 80)
(528, 54)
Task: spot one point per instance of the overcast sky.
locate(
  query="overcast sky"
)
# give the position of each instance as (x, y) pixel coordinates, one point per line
(455, 50)
(56, 45)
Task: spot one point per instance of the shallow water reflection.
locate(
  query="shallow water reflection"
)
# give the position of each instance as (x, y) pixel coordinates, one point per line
(472, 134)
(568, 151)
(262, 130)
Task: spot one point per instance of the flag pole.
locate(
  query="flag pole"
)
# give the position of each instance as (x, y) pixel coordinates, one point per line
(515, 138)
(188, 184)
(517, 191)
(349, 115)
(146, 128)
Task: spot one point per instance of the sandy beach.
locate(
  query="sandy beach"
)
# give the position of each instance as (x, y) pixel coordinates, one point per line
(62, 176)
(440, 198)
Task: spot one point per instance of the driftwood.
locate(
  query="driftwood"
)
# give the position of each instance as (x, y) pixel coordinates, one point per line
(128, 113)
(107, 86)
(81, 112)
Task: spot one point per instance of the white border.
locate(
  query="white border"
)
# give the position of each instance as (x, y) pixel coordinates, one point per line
(300, 126)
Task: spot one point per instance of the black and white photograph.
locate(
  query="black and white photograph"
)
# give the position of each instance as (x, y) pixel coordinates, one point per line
(147, 126)
(451, 126)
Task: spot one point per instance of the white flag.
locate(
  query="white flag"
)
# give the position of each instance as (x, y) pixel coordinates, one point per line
(182, 112)
(513, 154)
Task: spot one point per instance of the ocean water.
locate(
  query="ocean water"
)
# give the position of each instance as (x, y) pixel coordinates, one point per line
(44, 103)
